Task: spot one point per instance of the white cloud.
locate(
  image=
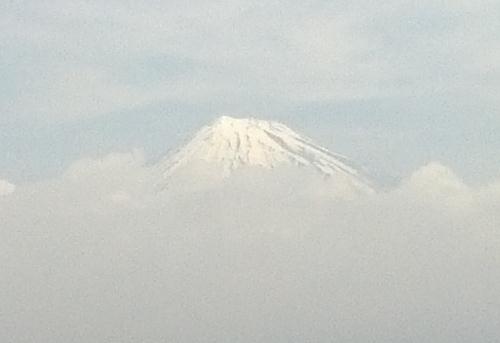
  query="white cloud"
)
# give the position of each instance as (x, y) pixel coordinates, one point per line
(106, 167)
(6, 188)
(262, 262)
(436, 178)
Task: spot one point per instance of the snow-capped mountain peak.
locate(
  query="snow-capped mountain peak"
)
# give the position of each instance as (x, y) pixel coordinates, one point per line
(231, 143)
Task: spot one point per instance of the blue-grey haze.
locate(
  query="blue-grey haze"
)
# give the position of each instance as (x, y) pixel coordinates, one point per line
(392, 85)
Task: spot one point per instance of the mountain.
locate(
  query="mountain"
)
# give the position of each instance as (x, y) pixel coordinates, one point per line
(233, 144)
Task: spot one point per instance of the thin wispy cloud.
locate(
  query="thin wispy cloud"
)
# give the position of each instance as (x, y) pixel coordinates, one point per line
(85, 58)
(359, 65)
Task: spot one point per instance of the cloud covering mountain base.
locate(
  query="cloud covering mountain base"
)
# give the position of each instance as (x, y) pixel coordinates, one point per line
(99, 256)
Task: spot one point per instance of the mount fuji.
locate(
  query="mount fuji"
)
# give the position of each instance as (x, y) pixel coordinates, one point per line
(231, 145)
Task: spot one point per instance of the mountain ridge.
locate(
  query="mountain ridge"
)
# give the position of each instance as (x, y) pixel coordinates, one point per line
(230, 144)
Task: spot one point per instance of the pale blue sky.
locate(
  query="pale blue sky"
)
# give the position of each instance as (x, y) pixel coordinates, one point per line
(394, 85)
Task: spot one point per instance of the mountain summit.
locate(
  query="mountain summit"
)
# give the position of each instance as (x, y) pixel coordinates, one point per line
(230, 144)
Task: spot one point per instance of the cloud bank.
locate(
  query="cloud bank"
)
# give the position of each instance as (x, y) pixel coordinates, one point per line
(6, 187)
(96, 255)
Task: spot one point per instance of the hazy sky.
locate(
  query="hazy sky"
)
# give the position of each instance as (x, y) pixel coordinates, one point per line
(394, 85)
(93, 92)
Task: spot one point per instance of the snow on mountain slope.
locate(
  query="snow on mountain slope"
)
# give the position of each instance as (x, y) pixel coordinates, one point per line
(232, 144)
